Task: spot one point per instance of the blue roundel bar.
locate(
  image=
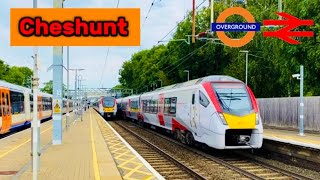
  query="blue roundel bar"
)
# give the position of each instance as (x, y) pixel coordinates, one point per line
(236, 27)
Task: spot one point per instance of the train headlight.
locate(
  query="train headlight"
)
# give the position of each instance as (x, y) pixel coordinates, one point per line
(222, 119)
(257, 118)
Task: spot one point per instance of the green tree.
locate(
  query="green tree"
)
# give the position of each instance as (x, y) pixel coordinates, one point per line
(15, 75)
(48, 88)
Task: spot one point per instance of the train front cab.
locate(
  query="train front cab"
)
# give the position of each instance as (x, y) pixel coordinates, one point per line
(236, 124)
(109, 107)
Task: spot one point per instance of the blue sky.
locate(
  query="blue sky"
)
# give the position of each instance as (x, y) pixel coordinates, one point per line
(162, 18)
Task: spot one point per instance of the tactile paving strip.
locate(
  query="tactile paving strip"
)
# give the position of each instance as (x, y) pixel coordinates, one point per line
(129, 166)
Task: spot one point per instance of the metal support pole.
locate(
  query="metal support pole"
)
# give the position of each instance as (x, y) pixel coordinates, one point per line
(68, 114)
(57, 88)
(193, 20)
(80, 97)
(280, 8)
(35, 134)
(247, 68)
(76, 97)
(301, 123)
(212, 14)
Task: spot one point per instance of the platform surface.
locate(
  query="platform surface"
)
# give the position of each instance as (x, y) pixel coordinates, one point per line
(293, 137)
(83, 154)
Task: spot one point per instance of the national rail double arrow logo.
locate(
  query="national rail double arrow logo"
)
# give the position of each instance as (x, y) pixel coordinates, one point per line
(285, 33)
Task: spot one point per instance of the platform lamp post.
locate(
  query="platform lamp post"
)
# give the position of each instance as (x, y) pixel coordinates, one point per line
(301, 107)
(35, 132)
(80, 78)
(75, 98)
(246, 65)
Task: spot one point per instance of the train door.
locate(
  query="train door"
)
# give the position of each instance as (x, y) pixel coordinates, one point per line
(195, 112)
(40, 107)
(6, 110)
(204, 112)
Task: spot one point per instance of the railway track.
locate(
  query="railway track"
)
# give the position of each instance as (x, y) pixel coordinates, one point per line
(238, 166)
(168, 166)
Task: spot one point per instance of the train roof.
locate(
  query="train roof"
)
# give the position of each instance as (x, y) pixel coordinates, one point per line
(211, 78)
(14, 87)
(21, 89)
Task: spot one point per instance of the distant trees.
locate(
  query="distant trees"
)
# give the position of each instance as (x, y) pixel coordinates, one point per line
(15, 75)
(48, 88)
(271, 61)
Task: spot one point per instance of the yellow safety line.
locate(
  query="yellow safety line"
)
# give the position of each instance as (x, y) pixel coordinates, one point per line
(17, 147)
(94, 153)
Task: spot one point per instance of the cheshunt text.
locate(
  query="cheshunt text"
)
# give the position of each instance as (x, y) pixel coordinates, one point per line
(29, 26)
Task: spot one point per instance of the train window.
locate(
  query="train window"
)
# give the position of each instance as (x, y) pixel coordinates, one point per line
(134, 104)
(7, 105)
(46, 104)
(152, 106)
(3, 104)
(173, 105)
(156, 106)
(203, 99)
(0, 106)
(31, 103)
(193, 96)
(232, 96)
(144, 106)
(149, 106)
(17, 102)
(166, 105)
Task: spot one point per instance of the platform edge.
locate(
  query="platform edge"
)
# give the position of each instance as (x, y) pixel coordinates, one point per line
(153, 171)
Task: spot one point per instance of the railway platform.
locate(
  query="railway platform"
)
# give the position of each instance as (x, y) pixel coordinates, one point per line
(90, 149)
(309, 140)
(287, 144)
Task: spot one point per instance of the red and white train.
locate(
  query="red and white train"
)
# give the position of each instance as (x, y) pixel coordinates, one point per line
(219, 111)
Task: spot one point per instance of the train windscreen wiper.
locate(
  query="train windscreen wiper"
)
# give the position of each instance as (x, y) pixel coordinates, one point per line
(224, 106)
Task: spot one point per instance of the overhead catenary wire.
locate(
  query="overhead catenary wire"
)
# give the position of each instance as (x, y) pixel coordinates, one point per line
(105, 62)
(185, 58)
(182, 43)
(173, 27)
(148, 13)
(185, 17)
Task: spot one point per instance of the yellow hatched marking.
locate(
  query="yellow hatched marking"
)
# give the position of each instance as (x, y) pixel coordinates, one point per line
(138, 171)
(118, 156)
(18, 146)
(129, 161)
(94, 153)
(119, 152)
(127, 176)
(147, 178)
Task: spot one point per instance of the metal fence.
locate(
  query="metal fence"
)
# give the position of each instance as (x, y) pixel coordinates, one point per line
(284, 112)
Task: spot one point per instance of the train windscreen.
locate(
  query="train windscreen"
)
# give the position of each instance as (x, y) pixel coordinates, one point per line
(108, 102)
(232, 97)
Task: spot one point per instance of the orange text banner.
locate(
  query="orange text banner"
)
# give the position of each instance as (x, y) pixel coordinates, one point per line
(75, 27)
